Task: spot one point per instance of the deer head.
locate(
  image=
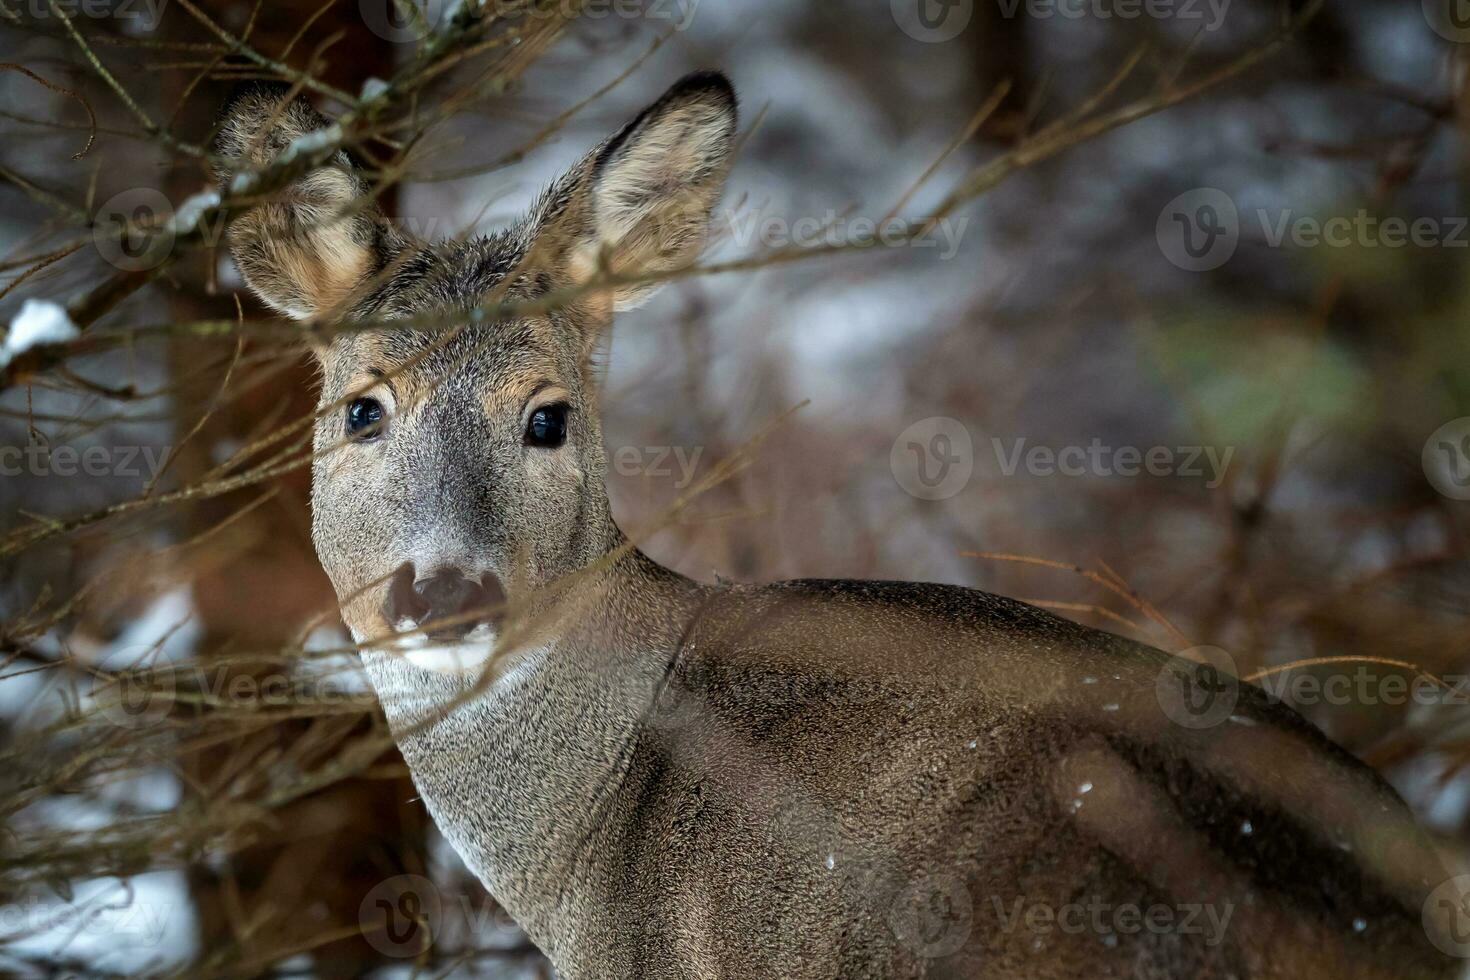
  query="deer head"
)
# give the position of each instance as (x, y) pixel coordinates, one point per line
(458, 456)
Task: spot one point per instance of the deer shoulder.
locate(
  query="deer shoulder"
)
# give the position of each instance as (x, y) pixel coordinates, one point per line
(1007, 794)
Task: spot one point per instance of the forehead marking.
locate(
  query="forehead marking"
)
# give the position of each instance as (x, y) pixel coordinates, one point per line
(507, 369)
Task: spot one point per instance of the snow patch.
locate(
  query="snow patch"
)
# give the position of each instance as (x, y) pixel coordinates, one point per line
(311, 143)
(372, 88)
(188, 214)
(40, 321)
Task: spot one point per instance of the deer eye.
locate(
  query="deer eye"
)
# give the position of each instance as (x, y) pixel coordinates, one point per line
(548, 427)
(365, 419)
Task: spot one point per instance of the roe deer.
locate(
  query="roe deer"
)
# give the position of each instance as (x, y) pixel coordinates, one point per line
(661, 778)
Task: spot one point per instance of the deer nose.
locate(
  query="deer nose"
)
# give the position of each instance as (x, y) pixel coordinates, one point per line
(450, 604)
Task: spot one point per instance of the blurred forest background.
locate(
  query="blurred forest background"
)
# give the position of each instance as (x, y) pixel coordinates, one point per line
(1150, 285)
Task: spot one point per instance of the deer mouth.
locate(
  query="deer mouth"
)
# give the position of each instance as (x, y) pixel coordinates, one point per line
(446, 623)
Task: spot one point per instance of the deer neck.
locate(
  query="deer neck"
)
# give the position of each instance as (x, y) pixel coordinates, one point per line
(517, 772)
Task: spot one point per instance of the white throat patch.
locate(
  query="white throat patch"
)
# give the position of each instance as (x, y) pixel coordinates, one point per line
(467, 656)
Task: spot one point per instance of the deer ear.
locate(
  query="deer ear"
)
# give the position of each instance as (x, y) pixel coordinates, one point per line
(304, 249)
(641, 204)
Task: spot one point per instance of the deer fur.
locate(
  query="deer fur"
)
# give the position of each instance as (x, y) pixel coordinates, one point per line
(661, 778)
